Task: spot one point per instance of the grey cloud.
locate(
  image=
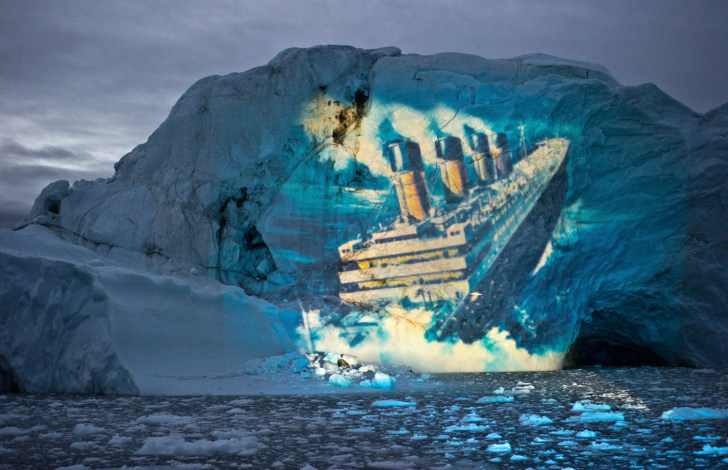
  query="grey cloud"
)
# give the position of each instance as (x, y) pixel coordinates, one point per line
(16, 157)
(96, 78)
(26, 171)
(12, 212)
(12, 151)
(24, 175)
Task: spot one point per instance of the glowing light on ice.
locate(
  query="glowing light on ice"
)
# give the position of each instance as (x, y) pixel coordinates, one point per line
(400, 339)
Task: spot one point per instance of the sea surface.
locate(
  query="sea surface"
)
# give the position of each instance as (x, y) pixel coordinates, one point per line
(578, 418)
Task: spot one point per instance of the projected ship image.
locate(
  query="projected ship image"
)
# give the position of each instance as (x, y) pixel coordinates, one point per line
(434, 256)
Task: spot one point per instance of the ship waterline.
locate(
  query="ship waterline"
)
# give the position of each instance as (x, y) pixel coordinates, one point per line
(444, 255)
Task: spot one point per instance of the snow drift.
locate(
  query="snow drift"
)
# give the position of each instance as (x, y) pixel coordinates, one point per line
(248, 188)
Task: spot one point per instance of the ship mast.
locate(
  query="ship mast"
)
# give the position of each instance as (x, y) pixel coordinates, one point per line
(523, 140)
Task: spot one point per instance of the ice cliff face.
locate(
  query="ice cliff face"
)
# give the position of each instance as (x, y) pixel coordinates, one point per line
(257, 178)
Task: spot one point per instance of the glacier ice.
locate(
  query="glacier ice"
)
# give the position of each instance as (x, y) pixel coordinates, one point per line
(211, 239)
(77, 322)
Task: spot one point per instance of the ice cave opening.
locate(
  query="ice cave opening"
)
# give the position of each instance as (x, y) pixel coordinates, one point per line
(8, 384)
(590, 350)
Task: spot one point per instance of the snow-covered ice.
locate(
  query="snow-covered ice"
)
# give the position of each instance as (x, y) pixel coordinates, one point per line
(685, 413)
(390, 403)
(534, 420)
(495, 399)
(588, 406)
(503, 447)
(178, 446)
(592, 416)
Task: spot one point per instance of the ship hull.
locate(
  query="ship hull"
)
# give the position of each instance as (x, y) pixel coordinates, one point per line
(417, 269)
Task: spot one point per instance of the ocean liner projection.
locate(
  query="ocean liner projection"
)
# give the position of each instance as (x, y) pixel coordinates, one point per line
(432, 256)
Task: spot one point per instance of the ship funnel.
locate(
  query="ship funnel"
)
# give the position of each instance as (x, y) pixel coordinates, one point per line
(452, 168)
(482, 158)
(503, 159)
(405, 161)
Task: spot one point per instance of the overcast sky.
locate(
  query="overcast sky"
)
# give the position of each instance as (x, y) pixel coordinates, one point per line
(83, 82)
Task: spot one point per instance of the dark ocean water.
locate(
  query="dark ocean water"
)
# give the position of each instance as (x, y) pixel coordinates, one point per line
(579, 418)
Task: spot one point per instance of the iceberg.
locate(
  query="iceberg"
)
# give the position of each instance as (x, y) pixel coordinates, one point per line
(520, 214)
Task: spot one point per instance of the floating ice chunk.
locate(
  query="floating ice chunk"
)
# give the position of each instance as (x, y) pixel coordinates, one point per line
(397, 431)
(472, 418)
(593, 416)
(710, 450)
(320, 371)
(498, 391)
(668, 440)
(166, 419)
(495, 399)
(505, 447)
(522, 389)
(493, 435)
(418, 437)
(174, 445)
(393, 403)
(240, 402)
(588, 406)
(534, 420)
(706, 438)
(362, 430)
(380, 380)
(424, 377)
(118, 440)
(519, 457)
(13, 431)
(330, 367)
(634, 406)
(586, 434)
(604, 446)
(82, 429)
(466, 427)
(339, 381)
(297, 365)
(684, 413)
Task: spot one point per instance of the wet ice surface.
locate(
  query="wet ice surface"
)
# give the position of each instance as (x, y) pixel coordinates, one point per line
(609, 417)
